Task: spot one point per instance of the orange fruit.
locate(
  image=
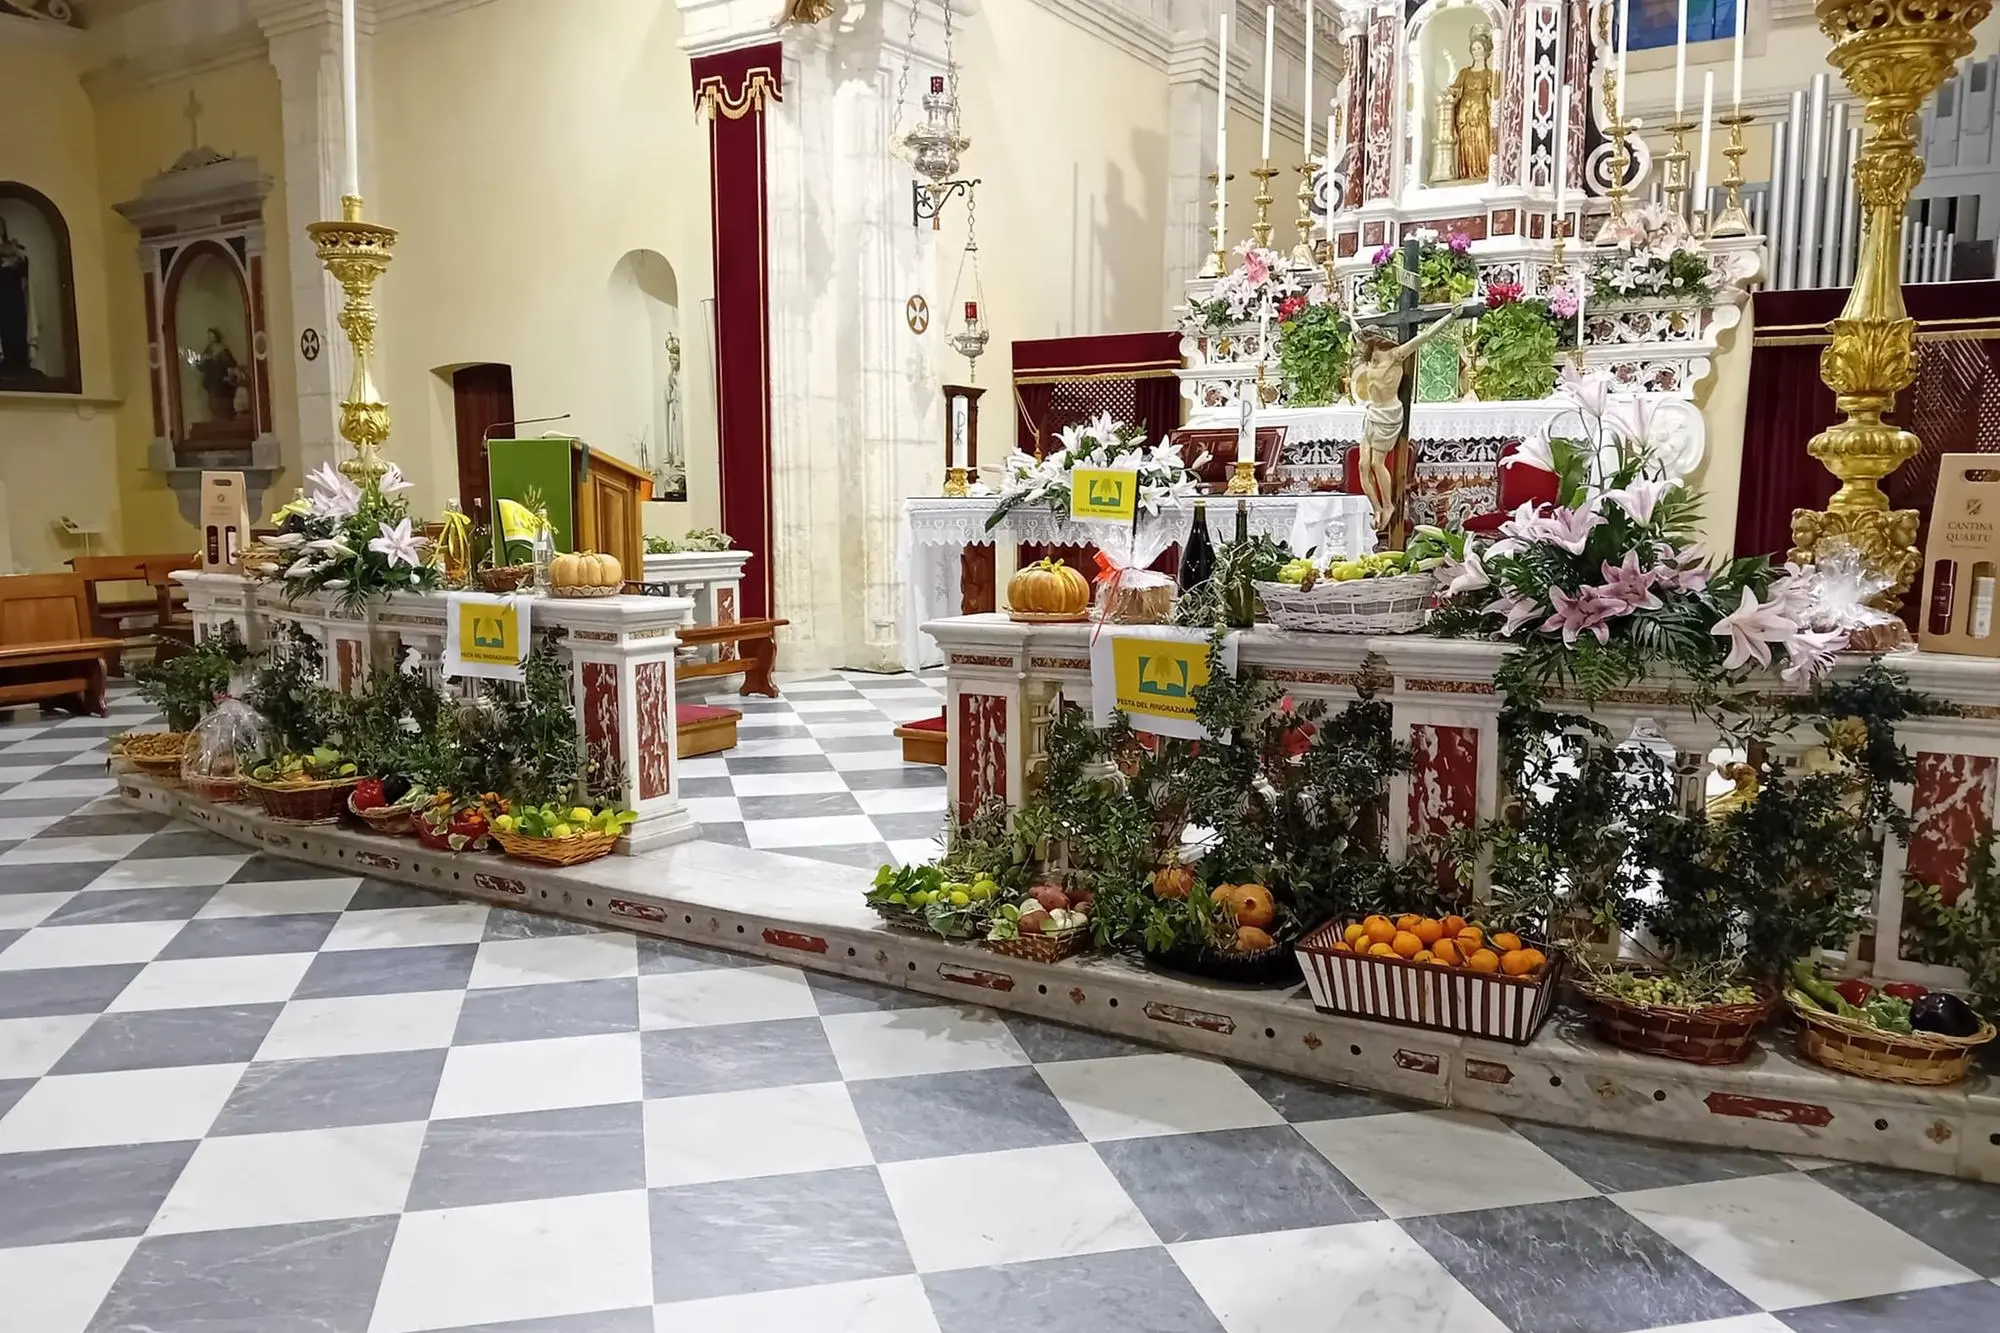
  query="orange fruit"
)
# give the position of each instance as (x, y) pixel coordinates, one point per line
(1453, 924)
(1423, 956)
(1471, 939)
(1437, 962)
(1408, 921)
(1446, 952)
(1406, 945)
(1429, 931)
(1380, 951)
(1522, 962)
(1380, 929)
(1483, 960)
(1506, 940)
(1342, 946)
(1354, 932)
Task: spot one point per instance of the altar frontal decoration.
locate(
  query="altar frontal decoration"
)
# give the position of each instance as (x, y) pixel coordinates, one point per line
(486, 635)
(1159, 476)
(353, 540)
(1152, 674)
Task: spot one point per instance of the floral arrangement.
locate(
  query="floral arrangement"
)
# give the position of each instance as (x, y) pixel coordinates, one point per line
(1657, 258)
(1609, 580)
(1263, 279)
(698, 539)
(1445, 271)
(1164, 479)
(1315, 341)
(353, 540)
(1514, 346)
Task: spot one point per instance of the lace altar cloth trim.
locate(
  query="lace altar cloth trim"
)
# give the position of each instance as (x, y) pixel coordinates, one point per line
(1430, 421)
(940, 522)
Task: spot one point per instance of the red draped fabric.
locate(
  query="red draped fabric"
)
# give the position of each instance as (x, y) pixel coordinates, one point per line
(1061, 381)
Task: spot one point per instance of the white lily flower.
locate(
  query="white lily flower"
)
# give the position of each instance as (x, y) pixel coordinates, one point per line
(393, 481)
(398, 545)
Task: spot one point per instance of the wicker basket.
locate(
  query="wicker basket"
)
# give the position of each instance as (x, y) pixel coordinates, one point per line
(573, 850)
(1043, 948)
(581, 591)
(1395, 604)
(158, 762)
(220, 791)
(1928, 1059)
(392, 821)
(1714, 1034)
(504, 578)
(1275, 966)
(305, 802)
(1047, 617)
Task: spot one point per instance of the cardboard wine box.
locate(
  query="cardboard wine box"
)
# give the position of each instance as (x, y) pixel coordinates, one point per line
(225, 522)
(1962, 559)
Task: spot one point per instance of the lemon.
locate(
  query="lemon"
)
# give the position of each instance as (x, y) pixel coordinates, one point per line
(562, 831)
(505, 823)
(983, 890)
(579, 815)
(960, 898)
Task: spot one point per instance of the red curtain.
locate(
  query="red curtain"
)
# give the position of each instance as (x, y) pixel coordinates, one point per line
(1061, 381)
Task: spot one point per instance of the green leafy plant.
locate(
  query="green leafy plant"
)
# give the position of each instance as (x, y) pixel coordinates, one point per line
(185, 688)
(547, 763)
(699, 539)
(301, 713)
(1314, 348)
(1446, 272)
(1964, 933)
(1514, 347)
(388, 723)
(1680, 272)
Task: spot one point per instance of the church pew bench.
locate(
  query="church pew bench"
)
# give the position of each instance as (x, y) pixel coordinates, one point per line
(109, 586)
(47, 653)
(756, 640)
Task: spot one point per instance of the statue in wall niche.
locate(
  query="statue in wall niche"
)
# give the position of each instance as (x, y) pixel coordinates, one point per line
(670, 481)
(222, 377)
(1472, 94)
(16, 340)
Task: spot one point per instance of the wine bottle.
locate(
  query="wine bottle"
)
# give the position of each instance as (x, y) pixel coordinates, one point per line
(1239, 598)
(1198, 556)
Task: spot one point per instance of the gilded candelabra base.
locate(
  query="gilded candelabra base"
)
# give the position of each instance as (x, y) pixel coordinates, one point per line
(957, 483)
(1733, 220)
(1677, 187)
(356, 253)
(1243, 479)
(1302, 253)
(1261, 228)
(1615, 225)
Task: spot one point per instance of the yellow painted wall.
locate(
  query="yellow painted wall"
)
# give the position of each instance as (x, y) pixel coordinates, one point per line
(58, 457)
(140, 133)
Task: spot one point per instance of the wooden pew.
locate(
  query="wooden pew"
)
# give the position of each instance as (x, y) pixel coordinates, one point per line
(47, 653)
(109, 612)
(756, 640)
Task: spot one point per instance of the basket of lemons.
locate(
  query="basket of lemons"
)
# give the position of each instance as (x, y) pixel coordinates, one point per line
(554, 835)
(1389, 592)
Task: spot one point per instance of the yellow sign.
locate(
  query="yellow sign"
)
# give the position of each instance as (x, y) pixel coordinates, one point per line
(490, 635)
(1158, 677)
(1105, 493)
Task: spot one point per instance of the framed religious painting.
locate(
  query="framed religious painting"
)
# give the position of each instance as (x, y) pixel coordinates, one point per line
(37, 296)
(211, 392)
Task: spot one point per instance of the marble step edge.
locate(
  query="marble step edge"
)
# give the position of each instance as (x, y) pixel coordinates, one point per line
(1772, 1103)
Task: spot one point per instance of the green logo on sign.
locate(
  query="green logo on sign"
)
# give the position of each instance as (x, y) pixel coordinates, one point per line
(489, 632)
(1163, 677)
(1106, 493)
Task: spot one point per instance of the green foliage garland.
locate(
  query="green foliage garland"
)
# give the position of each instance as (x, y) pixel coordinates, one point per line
(1313, 353)
(1514, 347)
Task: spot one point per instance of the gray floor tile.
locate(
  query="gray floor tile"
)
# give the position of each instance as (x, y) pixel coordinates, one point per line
(1126, 1290)
(657, 956)
(27, 807)
(910, 827)
(896, 779)
(387, 971)
(187, 842)
(55, 877)
(1955, 1309)
(107, 825)
(11, 1091)
(798, 807)
(729, 834)
(379, 1089)
(535, 1155)
(309, 1276)
(262, 867)
(112, 905)
(504, 923)
(867, 855)
(1958, 1218)
(239, 936)
(730, 1057)
(1615, 1164)
(1580, 1266)
(560, 1009)
(63, 990)
(597, 1321)
(377, 895)
(781, 1231)
(1235, 1182)
(7, 937)
(85, 1193)
(164, 1038)
(1300, 1100)
(982, 1110)
(845, 995)
(778, 763)
(693, 787)
(1048, 1043)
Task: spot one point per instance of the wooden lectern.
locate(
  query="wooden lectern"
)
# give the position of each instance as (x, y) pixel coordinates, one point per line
(609, 492)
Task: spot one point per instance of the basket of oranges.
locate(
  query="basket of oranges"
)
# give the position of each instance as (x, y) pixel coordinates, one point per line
(1433, 972)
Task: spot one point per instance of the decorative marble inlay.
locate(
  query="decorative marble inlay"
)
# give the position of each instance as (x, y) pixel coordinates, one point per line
(1422, 685)
(725, 614)
(982, 751)
(1444, 779)
(972, 659)
(656, 746)
(347, 664)
(506, 884)
(1294, 676)
(1952, 802)
(1379, 140)
(1060, 663)
(600, 716)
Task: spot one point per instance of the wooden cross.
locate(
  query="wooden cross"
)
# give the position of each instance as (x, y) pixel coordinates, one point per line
(193, 112)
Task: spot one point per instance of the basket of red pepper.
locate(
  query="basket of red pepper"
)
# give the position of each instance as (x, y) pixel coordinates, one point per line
(1897, 1032)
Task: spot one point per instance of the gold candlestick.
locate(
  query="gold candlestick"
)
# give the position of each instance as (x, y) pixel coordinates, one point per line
(356, 253)
(1218, 259)
(1676, 160)
(1894, 58)
(1261, 228)
(1621, 161)
(1302, 253)
(1732, 220)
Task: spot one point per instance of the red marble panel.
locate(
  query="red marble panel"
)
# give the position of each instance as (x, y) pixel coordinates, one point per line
(1472, 224)
(1372, 233)
(1952, 801)
(1503, 222)
(982, 751)
(1346, 244)
(1352, 126)
(347, 664)
(1513, 85)
(601, 741)
(1444, 779)
(1379, 137)
(725, 614)
(656, 736)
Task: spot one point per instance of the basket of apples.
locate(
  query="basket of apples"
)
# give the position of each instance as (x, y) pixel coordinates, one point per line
(445, 825)
(1053, 924)
(378, 803)
(553, 835)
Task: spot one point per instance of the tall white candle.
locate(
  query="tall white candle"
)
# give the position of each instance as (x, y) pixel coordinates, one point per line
(1582, 290)
(1221, 129)
(1624, 36)
(1736, 62)
(1681, 64)
(1560, 157)
(349, 101)
(1308, 136)
(1270, 36)
(1701, 162)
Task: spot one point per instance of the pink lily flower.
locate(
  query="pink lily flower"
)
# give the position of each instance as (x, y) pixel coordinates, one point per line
(1642, 497)
(1629, 586)
(1584, 613)
(1809, 652)
(1751, 630)
(1571, 528)
(1686, 571)
(1518, 609)
(1467, 576)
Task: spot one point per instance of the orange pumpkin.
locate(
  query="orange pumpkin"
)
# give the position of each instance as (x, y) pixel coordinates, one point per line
(1247, 904)
(1046, 588)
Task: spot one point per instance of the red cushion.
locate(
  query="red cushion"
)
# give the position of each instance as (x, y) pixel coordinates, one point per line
(685, 714)
(927, 724)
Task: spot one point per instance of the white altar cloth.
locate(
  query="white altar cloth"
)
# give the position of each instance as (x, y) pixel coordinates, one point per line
(1341, 422)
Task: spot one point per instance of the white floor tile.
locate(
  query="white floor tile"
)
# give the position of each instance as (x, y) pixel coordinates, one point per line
(908, 851)
(809, 687)
(878, 726)
(48, 851)
(55, 742)
(1375, 1152)
(762, 1132)
(30, 1047)
(713, 809)
(724, 995)
(168, 872)
(193, 983)
(896, 1042)
(22, 911)
(808, 708)
(89, 946)
(282, 897)
(709, 766)
(751, 723)
(902, 801)
(863, 761)
(1365, 1277)
(128, 1106)
(257, 1180)
(408, 927)
(1743, 1323)
(23, 826)
(21, 771)
(787, 784)
(514, 1261)
(1137, 1096)
(1789, 1240)
(46, 789)
(361, 1024)
(558, 958)
(57, 1288)
(815, 831)
(880, 1305)
(776, 747)
(1012, 1207)
(505, 1077)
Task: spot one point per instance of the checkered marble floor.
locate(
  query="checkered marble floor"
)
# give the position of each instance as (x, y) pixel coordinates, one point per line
(238, 1095)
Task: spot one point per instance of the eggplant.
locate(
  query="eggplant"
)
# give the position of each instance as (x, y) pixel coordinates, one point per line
(1944, 1014)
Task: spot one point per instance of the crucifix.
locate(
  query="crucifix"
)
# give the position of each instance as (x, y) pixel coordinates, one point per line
(1382, 343)
(193, 112)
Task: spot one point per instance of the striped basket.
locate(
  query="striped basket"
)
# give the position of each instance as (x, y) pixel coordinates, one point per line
(1447, 999)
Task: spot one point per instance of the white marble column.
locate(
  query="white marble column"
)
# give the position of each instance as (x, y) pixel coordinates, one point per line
(1191, 91)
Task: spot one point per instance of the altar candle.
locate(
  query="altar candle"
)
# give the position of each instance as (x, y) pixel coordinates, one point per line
(1221, 129)
(1681, 63)
(1270, 35)
(1701, 162)
(1309, 81)
(1560, 158)
(1624, 28)
(1582, 290)
(352, 184)
(1736, 63)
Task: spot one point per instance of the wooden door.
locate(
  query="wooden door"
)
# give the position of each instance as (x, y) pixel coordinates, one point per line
(482, 399)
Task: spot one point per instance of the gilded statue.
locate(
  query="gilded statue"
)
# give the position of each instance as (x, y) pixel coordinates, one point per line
(1472, 94)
